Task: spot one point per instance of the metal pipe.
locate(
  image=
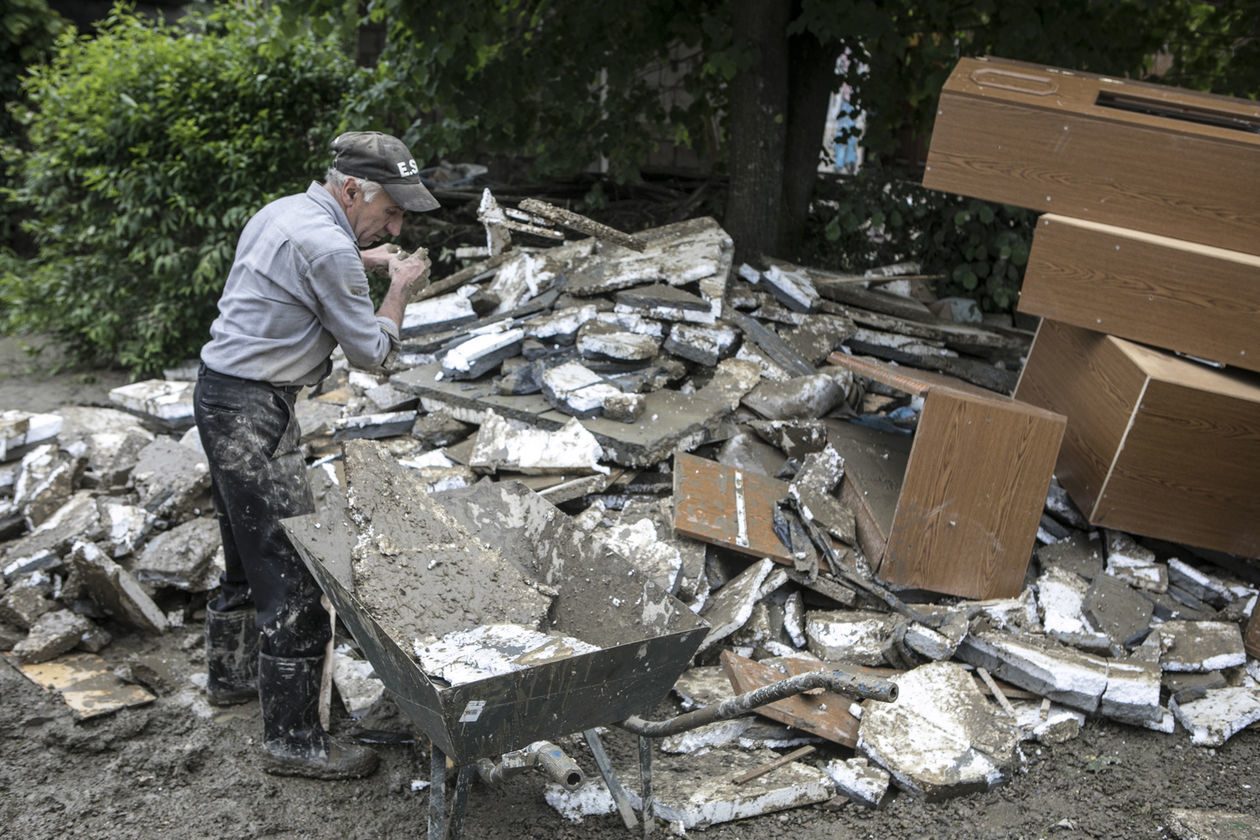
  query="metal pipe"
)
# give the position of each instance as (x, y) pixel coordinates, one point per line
(870, 688)
(541, 754)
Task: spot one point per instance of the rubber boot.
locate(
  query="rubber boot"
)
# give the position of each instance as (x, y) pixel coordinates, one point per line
(294, 742)
(231, 656)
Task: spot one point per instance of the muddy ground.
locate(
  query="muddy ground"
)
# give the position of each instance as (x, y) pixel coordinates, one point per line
(179, 768)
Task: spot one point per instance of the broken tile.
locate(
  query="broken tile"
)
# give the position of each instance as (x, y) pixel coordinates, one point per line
(181, 557)
(52, 634)
(941, 737)
(168, 404)
(115, 590)
(501, 446)
(87, 684)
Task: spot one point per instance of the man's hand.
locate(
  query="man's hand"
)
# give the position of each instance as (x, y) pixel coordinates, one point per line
(403, 275)
(378, 258)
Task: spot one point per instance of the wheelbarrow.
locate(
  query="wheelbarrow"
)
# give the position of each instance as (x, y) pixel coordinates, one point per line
(639, 653)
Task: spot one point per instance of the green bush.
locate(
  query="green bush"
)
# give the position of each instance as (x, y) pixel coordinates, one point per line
(151, 146)
(978, 248)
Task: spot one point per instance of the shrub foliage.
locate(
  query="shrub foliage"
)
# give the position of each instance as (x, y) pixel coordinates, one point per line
(150, 146)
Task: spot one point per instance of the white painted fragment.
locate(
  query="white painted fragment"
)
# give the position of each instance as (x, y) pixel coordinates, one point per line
(859, 779)
(854, 636)
(1059, 723)
(170, 402)
(499, 446)
(461, 357)
(1222, 712)
(1202, 646)
(491, 650)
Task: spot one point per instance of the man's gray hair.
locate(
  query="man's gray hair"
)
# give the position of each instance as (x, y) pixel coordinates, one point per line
(336, 179)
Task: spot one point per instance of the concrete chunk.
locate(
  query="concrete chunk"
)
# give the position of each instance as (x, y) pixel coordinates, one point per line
(1134, 563)
(436, 314)
(858, 779)
(126, 527)
(20, 430)
(794, 289)
(576, 390)
(1207, 588)
(22, 606)
(854, 636)
(112, 456)
(1117, 610)
(181, 557)
(1081, 553)
(52, 634)
(169, 404)
(705, 345)
(501, 446)
(560, 326)
(1133, 687)
(1061, 599)
(665, 303)
(1202, 645)
(732, 606)
(1039, 664)
(1219, 715)
(45, 481)
(173, 481)
(374, 426)
(802, 397)
(78, 518)
(941, 737)
(596, 342)
(1053, 725)
(115, 590)
(481, 354)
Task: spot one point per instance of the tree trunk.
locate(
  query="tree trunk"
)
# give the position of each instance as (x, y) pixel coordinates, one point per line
(811, 82)
(757, 128)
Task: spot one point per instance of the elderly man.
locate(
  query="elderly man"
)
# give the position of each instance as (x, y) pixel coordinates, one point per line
(298, 288)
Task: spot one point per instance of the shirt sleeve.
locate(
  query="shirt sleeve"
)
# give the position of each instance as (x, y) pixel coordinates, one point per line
(346, 311)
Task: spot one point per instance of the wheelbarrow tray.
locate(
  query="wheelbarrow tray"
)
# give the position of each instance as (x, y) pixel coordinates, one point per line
(645, 637)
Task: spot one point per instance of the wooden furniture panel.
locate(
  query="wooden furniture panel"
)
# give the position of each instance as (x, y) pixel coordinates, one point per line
(974, 486)
(1185, 465)
(1153, 158)
(729, 507)
(1166, 292)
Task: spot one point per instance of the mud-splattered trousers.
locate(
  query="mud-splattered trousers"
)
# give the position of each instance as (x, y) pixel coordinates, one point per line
(250, 433)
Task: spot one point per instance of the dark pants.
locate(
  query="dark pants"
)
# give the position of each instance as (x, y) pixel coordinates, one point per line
(258, 477)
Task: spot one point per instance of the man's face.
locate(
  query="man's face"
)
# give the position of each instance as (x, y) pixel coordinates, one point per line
(373, 220)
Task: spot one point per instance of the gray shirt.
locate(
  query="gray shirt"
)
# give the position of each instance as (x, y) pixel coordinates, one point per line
(296, 290)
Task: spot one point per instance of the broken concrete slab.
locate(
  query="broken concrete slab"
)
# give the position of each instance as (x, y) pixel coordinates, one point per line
(1202, 645)
(1220, 714)
(115, 590)
(1133, 687)
(167, 404)
(21, 430)
(436, 314)
(576, 390)
(732, 606)
(813, 490)
(52, 634)
(481, 354)
(704, 345)
(853, 636)
(374, 426)
(1081, 553)
(173, 481)
(499, 445)
(78, 518)
(665, 303)
(1061, 599)
(1047, 723)
(860, 780)
(800, 398)
(941, 737)
(46, 479)
(1118, 611)
(599, 342)
(22, 606)
(181, 557)
(1132, 562)
(126, 527)
(418, 571)
(1040, 665)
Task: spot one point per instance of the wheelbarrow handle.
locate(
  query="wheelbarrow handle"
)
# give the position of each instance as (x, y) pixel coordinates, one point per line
(869, 688)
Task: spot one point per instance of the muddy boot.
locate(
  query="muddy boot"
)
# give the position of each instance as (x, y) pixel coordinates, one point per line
(231, 656)
(294, 742)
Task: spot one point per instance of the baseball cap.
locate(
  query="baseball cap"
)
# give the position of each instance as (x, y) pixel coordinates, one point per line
(385, 159)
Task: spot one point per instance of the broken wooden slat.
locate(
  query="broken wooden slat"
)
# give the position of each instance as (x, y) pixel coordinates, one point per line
(1160, 291)
(825, 714)
(1155, 445)
(757, 772)
(580, 223)
(726, 506)
(1098, 148)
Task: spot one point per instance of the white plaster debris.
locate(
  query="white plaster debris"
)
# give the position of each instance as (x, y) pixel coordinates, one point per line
(490, 650)
(19, 429)
(1061, 598)
(1133, 563)
(437, 313)
(170, 402)
(859, 779)
(590, 800)
(941, 737)
(1214, 718)
(500, 446)
(461, 357)
(854, 636)
(356, 681)
(794, 288)
(624, 346)
(1054, 726)
(1039, 664)
(563, 322)
(701, 739)
(578, 387)
(632, 322)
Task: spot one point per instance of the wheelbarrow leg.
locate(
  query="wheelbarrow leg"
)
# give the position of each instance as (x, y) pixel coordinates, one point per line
(610, 778)
(645, 777)
(437, 797)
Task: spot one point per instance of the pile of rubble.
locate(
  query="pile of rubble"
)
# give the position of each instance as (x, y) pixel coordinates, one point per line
(700, 420)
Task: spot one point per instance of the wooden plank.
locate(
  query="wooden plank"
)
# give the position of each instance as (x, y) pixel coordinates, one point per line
(729, 507)
(1156, 445)
(1160, 291)
(1152, 158)
(825, 714)
(973, 494)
